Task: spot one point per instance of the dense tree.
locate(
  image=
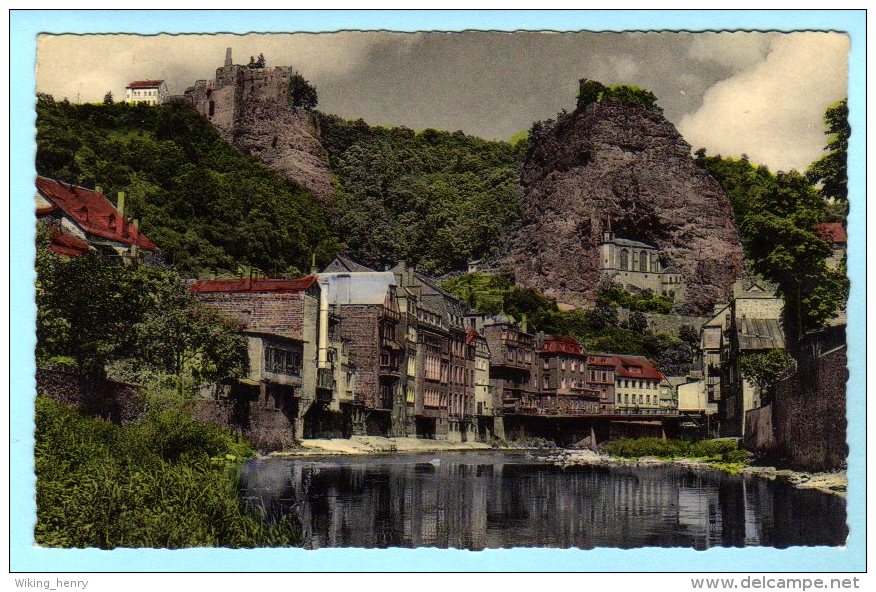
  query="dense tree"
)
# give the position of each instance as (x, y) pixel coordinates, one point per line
(302, 94)
(207, 207)
(435, 199)
(831, 170)
(764, 369)
(93, 312)
(108, 98)
(776, 216)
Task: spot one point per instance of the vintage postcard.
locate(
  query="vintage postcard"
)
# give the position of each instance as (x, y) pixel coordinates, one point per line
(578, 288)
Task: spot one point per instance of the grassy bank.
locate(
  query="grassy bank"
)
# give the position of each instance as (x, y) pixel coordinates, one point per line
(723, 454)
(166, 481)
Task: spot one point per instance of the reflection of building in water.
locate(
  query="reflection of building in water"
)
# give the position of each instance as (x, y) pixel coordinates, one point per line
(473, 503)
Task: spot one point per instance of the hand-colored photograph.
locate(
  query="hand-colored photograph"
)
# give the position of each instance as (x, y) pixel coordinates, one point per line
(471, 290)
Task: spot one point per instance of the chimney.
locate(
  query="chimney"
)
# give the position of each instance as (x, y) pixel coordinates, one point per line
(98, 189)
(120, 206)
(135, 237)
(313, 269)
(228, 57)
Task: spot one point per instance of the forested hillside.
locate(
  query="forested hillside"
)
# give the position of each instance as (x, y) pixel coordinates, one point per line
(432, 198)
(208, 207)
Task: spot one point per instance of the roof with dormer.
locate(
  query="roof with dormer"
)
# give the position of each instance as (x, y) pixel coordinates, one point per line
(91, 211)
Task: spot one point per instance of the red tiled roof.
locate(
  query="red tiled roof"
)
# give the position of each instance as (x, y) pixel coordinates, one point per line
(565, 344)
(65, 243)
(636, 367)
(145, 84)
(91, 211)
(601, 360)
(832, 232)
(254, 285)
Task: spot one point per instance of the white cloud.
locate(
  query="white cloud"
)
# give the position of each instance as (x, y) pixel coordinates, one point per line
(772, 110)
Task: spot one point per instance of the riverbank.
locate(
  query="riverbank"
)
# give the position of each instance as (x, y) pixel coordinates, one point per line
(834, 483)
(360, 445)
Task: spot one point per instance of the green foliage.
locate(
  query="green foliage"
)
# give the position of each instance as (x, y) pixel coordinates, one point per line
(207, 206)
(434, 199)
(108, 98)
(645, 301)
(302, 94)
(723, 454)
(764, 369)
(776, 215)
(151, 484)
(597, 329)
(590, 91)
(831, 170)
(96, 312)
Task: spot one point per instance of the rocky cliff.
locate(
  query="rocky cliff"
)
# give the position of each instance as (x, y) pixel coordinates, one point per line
(286, 142)
(627, 163)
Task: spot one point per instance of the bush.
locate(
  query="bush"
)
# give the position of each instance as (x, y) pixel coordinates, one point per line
(669, 448)
(152, 484)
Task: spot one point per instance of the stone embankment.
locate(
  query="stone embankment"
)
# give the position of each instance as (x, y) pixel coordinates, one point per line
(359, 445)
(832, 482)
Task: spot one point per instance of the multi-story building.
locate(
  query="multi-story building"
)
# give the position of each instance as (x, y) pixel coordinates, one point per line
(83, 220)
(446, 361)
(512, 362)
(487, 426)
(753, 323)
(638, 265)
(280, 319)
(637, 385)
(146, 92)
(562, 378)
(368, 317)
(600, 377)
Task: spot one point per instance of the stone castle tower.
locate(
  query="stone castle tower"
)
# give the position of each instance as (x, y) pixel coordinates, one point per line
(221, 100)
(249, 107)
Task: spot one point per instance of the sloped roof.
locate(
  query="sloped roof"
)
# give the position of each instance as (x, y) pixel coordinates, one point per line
(636, 367)
(367, 287)
(832, 232)
(601, 360)
(625, 242)
(65, 243)
(254, 285)
(341, 264)
(145, 84)
(565, 344)
(756, 334)
(91, 211)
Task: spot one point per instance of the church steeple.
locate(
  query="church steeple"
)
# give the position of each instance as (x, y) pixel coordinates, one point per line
(607, 234)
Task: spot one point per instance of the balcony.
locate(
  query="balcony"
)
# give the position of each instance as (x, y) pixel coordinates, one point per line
(325, 378)
(390, 370)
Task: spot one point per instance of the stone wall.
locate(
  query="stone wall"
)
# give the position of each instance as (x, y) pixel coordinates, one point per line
(268, 429)
(759, 433)
(118, 402)
(807, 419)
(666, 323)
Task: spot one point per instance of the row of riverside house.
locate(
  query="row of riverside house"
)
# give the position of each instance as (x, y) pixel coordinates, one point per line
(354, 351)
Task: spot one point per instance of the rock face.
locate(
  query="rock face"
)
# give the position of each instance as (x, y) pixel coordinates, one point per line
(249, 107)
(285, 141)
(629, 164)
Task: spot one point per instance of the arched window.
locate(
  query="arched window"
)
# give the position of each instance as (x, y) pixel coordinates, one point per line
(654, 265)
(624, 259)
(643, 261)
(212, 108)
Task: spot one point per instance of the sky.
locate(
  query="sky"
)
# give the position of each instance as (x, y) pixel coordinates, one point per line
(759, 94)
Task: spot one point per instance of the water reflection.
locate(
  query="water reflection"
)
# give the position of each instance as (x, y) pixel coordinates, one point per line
(490, 500)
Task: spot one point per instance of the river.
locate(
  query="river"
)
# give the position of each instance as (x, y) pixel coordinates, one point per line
(492, 499)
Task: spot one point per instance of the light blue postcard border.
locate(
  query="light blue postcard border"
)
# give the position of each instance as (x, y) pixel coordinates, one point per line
(24, 556)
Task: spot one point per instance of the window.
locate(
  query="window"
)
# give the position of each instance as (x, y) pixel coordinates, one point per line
(282, 361)
(624, 259)
(643, 261)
